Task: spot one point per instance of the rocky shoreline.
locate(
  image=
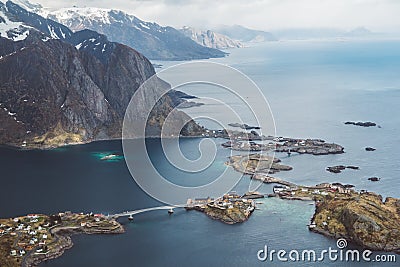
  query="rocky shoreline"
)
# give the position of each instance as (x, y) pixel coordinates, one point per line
(30, 240)
(364, 219)
(63, 234)
(254, 163)
(230, 209)
(308, 146)
(227, 217)
(34, 260)
(282, 144)
(341, 212)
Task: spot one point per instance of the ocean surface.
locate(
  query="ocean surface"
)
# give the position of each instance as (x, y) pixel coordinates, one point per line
(312, 88)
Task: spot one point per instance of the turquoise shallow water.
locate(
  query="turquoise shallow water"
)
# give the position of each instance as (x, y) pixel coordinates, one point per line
(108, 156)
(312, 88)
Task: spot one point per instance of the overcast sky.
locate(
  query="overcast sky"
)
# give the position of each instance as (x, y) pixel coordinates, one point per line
(376, 15)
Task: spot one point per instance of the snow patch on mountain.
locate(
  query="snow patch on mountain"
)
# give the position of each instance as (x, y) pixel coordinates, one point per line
(79, 15)
(25, 4)
(15, 31)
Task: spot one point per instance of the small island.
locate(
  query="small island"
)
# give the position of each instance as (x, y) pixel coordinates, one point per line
(190, 104)
(374, 179)
(250, 164)
(340, 168)
(229, 209)
(308, 146)
(29, 240)
(282, 144)
(244, 126)
(361, 123)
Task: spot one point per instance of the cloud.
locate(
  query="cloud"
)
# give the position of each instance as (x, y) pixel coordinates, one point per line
(378, 15)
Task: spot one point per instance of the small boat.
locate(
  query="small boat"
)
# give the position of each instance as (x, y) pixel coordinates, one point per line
(130, 217)
(108, 157)
(289, 153)
(170, 211)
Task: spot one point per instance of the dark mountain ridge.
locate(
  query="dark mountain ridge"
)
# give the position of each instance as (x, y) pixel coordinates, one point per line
(58, 87)
(153, 40)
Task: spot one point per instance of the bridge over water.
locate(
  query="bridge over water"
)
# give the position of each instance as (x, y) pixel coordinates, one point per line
(134, 212)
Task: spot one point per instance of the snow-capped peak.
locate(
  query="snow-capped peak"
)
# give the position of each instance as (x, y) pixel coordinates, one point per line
(16, 23)
(15, 31)
(25, 4)
(97, 14)
(79, 18)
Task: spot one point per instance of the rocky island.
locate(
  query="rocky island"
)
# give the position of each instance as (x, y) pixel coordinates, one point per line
(341, 212)
(29, 240)
(374, 179)
(229, 209)
(360, 123)
(340, 168)
(244, 126)
(253, 163)
(307, 146)
(281, 144)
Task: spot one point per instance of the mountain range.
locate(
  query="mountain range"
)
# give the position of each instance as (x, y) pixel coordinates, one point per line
(151, 39)
(58, 86)
(244, 34)
(210, 38)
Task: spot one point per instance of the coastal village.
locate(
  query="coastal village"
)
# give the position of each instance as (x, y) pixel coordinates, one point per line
(231, 208)
(27, 240)
(282, 144)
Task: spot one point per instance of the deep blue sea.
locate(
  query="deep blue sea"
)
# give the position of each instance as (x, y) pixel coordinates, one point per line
(312, 88)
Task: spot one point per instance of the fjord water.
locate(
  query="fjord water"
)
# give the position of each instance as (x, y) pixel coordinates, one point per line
(312, 87)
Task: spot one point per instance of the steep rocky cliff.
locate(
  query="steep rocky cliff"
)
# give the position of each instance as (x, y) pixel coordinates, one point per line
(364, 219)
(59, 87)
